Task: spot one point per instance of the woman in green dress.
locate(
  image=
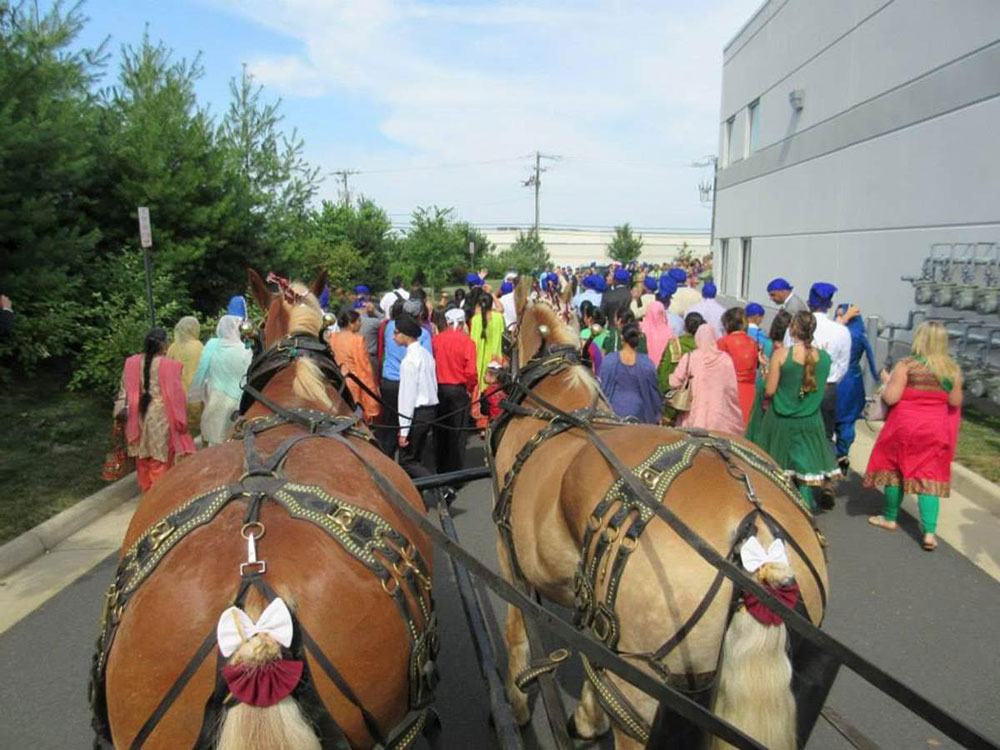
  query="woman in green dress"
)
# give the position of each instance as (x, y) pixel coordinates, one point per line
(792, 429)
(677, 348)
(776, 338)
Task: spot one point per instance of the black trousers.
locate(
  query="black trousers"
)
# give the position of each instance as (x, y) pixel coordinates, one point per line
(828, 409)
(388, 420)
(420, 430)
(450, 434)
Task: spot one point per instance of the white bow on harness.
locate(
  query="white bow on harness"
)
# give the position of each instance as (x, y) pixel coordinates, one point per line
(753, 554)
(235, 626)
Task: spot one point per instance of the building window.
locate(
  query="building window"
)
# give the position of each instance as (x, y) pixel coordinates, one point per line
(753, 127)
(727, 141)
(745, 247)
(723, 266)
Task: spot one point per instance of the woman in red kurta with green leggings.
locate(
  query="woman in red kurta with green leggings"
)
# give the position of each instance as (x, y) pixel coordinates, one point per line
(744, 352)
(914, 450)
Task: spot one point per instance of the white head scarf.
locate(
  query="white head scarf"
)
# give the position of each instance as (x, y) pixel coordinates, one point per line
(228, 331)
(455, 317)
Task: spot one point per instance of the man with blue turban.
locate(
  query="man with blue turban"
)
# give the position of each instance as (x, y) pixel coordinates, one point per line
(755, 315)
(685, 296)
(507, 303)
(647, 294)
(238, 307)
(665, 290)
(593, 290)
(617, 299)
(473, 280)
(782, 294)
(709, 309)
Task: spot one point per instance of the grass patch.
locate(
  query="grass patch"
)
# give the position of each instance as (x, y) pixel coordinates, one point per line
(51, 448)
(979, 444)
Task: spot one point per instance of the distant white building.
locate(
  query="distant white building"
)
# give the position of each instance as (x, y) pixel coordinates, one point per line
(853, 135)
(576, 247)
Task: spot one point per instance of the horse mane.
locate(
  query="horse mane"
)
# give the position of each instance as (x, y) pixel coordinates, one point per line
(540, 313)
(306, 316)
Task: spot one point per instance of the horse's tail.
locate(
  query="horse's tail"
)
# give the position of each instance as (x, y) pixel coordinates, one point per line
(755, 675)
(246, 727)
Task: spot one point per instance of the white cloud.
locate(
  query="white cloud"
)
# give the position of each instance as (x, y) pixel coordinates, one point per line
(627, 92)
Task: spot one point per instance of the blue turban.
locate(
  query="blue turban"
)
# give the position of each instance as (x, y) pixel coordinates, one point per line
(622, 275)
(359, 303)
(473, 280)
(754, 309)
(238, 307)
(779, 285)
(649, 282)
(597, 283)
(668, 287)
(362, 289)
(679, 275)
(506, 288)
(550, 281)
(821, 295)
(324, 297)
(709, 291)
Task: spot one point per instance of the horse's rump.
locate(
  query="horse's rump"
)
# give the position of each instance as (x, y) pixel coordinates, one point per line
(334, 597)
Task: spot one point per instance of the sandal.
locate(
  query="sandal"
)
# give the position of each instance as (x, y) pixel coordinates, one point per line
(929, 544)
(882, 523)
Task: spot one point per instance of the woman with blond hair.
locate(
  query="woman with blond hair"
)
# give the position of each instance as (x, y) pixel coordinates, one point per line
(792, 428)
(914, 450)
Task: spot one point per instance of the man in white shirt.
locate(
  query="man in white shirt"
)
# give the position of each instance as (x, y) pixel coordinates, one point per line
(389, 298)
(709, 309)
(507, 302)
(418, 396)
(685, 296)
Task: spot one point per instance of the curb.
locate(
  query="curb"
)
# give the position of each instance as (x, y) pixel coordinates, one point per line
(37, 541)
(967, 483)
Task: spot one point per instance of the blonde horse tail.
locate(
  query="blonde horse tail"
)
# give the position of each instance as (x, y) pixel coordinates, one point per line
(246, 727)
(755, 678)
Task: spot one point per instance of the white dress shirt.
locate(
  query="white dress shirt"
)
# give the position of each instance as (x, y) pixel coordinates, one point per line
(509, 308)
(417, 384)
(835, 340)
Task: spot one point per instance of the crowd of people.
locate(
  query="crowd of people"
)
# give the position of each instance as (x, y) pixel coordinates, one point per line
(425, 374)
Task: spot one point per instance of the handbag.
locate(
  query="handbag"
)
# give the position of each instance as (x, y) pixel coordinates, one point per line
(876, 409)
(118, 462)
(680, 398)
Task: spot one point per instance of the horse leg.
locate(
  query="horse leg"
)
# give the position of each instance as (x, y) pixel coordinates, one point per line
(589, 719)
(518, 651)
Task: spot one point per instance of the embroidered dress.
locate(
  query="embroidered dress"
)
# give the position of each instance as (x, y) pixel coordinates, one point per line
(917, 444)
(792, 429)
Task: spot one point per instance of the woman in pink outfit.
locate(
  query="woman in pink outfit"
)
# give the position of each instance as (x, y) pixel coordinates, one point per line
(715, 399)
(657, 330)
(151, 396)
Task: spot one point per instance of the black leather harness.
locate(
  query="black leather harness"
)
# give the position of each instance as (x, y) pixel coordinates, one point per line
(371, 540)
(617, 522)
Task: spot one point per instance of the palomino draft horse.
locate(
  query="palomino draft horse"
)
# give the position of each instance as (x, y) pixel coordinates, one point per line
(571, 530)
(287, 510)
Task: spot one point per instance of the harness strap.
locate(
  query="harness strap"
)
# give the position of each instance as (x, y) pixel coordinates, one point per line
(597, 652)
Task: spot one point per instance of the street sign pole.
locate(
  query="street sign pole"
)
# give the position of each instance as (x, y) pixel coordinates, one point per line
(146, 240)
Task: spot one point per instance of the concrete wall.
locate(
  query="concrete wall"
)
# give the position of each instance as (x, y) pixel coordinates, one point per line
(894, 149)
(575, 247)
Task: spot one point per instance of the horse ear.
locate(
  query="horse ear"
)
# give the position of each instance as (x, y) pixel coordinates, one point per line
(261, 294)
(521, 293)
(318, 283)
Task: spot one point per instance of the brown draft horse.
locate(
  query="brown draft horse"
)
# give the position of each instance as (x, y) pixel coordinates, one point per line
(554, 496)
(336, 599)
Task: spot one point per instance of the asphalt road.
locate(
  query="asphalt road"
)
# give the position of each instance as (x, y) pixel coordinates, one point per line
(930, 619)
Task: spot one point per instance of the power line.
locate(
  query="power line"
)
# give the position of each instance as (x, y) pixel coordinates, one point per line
(447, 165)
(343, 174)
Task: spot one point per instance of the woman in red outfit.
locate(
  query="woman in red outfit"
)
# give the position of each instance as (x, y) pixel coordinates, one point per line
(744, 352)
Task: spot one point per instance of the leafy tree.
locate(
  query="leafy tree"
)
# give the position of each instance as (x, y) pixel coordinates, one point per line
(341, 260)
(366, 228)
(118, 319)
(625, 246)
(47, 236)
(526, 254)
(432, 249)
(482, 248)
(268, 181)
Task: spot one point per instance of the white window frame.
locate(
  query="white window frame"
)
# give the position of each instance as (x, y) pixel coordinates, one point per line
(727, 140)
(746, 253)
(749, 147)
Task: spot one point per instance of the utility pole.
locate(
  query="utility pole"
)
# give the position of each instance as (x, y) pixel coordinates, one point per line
(536, 179)
(343, 174)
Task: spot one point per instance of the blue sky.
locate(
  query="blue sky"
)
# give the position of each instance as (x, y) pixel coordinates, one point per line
(440, 102)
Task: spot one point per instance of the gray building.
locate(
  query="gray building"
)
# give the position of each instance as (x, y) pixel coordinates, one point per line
(854, 135)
